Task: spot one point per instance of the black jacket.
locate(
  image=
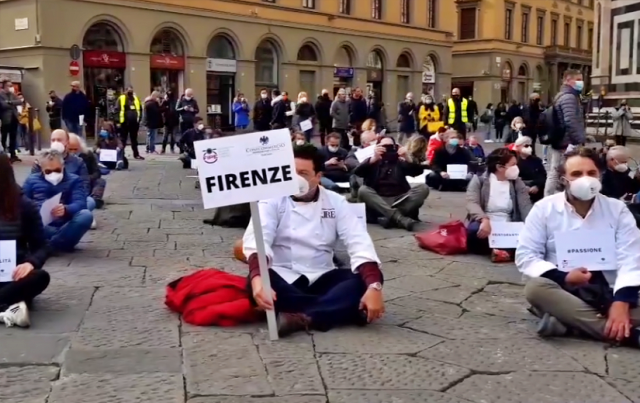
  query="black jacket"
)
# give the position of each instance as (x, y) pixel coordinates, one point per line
(279, 113)
(91, 162)
(31, 242)
(370, 173)
(323, 110)
(169, 114)
(442, 158)
(616, 184)
(305, 111)
(189, 137)
(153, 114)
(532, 173)
(262, 113)
(187, 116)
(357, 112)
(333, 172)
(531, 115)
(55, 110)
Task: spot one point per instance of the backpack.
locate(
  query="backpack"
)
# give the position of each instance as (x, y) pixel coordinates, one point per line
(486, 117)
(550, 127)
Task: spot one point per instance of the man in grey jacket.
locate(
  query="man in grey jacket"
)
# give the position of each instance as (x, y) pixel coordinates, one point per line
(9, 118)
(340, 115)
(569, 108)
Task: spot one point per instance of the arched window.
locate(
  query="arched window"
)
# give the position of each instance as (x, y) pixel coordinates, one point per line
(374, 60)
(404, 61)
(220, 47)
(344, 57)
(266, 57)
(103, 36)
(307, 53)
(167, 42)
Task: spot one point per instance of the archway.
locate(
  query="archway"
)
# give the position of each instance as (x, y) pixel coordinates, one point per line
(505, 88)
(521, 85)
(429, 76)
(404, 61)
(167, 61)
(343, 71)
(221, 76)
(403, 78)
(375, 73)
(539, 81)
(308, 55)
(267, 66)
(104, 63)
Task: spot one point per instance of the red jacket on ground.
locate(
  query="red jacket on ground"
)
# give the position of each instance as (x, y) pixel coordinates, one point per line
(434, 143)
(211, 297)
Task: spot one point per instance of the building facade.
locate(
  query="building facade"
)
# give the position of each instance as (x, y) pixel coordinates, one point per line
(221, 47)
(616, 64)
(504, 50)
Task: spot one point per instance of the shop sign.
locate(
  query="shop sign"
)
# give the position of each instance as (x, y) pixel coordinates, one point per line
(15, 76)
(222, 65)
(343, 72)
(167, 62)
(106, 59)
(428, 71)
(374, 75)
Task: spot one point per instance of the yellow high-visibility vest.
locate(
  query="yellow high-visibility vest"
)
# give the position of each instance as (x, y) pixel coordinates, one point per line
(452, 111)
(123, 103)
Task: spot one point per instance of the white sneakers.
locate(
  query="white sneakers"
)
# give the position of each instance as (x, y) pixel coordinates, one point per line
(94, 224)
(16, 315)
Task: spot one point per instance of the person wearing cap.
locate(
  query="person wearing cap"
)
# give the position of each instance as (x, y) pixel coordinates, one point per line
(531, 168)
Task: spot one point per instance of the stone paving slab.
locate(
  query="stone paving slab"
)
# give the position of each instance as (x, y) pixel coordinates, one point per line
(456, 328)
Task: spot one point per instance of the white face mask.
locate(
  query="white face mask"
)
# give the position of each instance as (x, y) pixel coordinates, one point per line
(200, 127)
(585, 188)
(303, 186)
(263, 96)
(187, 98)
(299, 142)
(303, 99)
(621, 167)
(526, 151)
(512, 173)
(519, 126)
(58, 146)
(333, 149)
(54, 178)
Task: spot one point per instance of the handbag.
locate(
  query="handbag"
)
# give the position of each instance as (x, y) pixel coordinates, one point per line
(448, 239)
(432, 127)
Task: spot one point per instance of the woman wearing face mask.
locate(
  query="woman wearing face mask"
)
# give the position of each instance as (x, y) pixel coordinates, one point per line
(500, 120)
(109, 140)
(532, 170)
(453, 153)
(517, 131)
(241, 111)
(305, 112)
(429, 117)
(298, 138)
(622, 118)
(498, 195)
(617, 179)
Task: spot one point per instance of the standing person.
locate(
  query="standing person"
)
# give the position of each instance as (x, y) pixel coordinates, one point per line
(622, 118)
(129, 112)
(187, 108)
(500, 120)
(289, 109)
(487, 119)
(406, 119)
(54, 109)
(359, 111)
(340, 114)
(456, 113)
(262, 112)
(241, 111)
(429, 117)
(279, 111)
(473, 113)
(153, 119)
(75, 106)
(171, 121)
(514, 111)
(23, 124)
(323, 114)
(568, 107)
(531, 115)
(305, 111)
(9, 118)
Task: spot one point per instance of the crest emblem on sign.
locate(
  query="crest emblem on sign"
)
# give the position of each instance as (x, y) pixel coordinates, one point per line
(264, 140)
(210, 156)
(105, 58)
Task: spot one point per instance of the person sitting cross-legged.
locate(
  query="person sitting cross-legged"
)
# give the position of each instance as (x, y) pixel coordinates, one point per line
(71, 218)
(335, 168)
(368, 138)
(599, 297)
(617, 180)
(453, 153)
(385, 190)
(109, 140)
(97, 183)
(300, 235)
(497, 195)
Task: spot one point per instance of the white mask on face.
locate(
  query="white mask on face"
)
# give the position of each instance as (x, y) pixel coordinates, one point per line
(621, 167)
(299, 142)
(58, 146)
(303, 99)
(303, 186)
(585, 188)
(200, 127)
(512, 173)
(333, 149)
(54, 178)
(519, 126)
(263, 96)
(526, 151)
(187, 98)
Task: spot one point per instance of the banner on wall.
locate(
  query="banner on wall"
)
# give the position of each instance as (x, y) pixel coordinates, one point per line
(429, 71)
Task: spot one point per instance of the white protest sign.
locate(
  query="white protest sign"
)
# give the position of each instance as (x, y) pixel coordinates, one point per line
(194, 164)
(81, 120)
(504, 234)
(306, 125)
(245, 169)
(457, 171)
(19, 109)
(47, 206)
(420, 179)
(364, 153)
(594, 250)
(359, 210)
(108, 155)
(8, 260)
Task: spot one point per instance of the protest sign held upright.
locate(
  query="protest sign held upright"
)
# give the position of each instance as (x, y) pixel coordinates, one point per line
(245, 169)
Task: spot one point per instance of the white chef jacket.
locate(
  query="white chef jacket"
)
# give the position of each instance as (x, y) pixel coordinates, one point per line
(300, 238)
(536, 251)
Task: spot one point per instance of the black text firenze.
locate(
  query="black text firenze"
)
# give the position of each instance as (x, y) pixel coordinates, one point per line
(247, 179)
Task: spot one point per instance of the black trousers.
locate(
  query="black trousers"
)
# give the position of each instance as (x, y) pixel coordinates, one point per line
(129, 130)
(344, 138)
(325, 128)
(9, 132)
(25, 289)
(169, 136)
(184, 126)
(55, 123)
(621, 140)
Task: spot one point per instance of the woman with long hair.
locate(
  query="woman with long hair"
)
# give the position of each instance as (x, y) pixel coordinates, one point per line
(23, 250)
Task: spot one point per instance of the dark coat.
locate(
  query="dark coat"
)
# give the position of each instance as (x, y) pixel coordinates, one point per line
(262, 113)
(406, 117)
(323, 110)
(74, 104)
(153, 114)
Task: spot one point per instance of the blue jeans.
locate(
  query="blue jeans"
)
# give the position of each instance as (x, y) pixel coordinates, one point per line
(241, 127)
(151, 140)
(74, 127)
(66, 237)
(307, 135)
(91, 204)
(328, 184)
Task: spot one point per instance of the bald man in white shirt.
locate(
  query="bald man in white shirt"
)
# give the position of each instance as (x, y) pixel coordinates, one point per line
(580, 298)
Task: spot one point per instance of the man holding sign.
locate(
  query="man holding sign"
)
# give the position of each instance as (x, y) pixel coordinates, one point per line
(300, 234)
(575, 246)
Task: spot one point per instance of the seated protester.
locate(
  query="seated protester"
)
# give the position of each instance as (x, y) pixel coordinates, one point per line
(298, 138)
(71, 218)
(617, 180)
(498, 195)
(369, 125)
(310, 292)
(474, 147)
(451, 154)
(436, 141)
(109, 140)
(517, 131)
(608, 144)
(335, 168)
(20, 222)
(531, 168)
(77, 146)
(580, 299)
(385, 191)
(368, 138)
(197, 133)
(415, 151)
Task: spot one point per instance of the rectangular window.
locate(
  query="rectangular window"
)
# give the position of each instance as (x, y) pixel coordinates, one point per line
(540, 31)
(345, 7)
(309, 4)
(376, 9)
(508, 24)
(525, 27)
(467, 26)
(567, 34)
(431, 18)
(554, 32)
(579, 36)
(590, 38)
(405, 13)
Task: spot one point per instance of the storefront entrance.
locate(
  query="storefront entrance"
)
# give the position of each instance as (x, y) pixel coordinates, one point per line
(221, 78)
(375, 74)
(167, 62)
(343, 72)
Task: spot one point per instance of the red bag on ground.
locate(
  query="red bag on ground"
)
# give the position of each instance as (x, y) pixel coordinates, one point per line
(448, 239)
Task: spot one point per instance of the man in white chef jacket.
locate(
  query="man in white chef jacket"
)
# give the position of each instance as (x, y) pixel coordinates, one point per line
(580, 298)
(300, 235)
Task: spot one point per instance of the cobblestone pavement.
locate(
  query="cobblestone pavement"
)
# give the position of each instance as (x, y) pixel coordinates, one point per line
(456, 328)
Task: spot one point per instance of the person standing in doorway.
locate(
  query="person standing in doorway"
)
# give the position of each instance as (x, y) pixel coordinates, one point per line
(171, 121)
(129, 112)
(54, 109)
(75, 106)
(9, 103)
(456, 113)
